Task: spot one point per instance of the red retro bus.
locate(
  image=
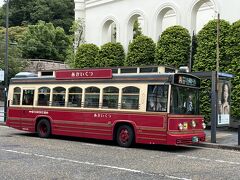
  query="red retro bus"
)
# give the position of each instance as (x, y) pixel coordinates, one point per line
(150, 105)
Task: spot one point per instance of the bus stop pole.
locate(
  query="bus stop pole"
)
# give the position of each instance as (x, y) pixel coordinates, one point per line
(214, 107)
(6, 64)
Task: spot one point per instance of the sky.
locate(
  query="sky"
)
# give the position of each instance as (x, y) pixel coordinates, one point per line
(1, 2)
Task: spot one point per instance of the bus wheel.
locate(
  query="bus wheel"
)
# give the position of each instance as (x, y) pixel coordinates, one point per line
(44, 128)
(125, 136)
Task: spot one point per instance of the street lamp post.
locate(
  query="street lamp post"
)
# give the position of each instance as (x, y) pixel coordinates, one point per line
(6, 63)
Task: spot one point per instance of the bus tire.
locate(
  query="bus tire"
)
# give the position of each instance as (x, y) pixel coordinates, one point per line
(44, 128)
(125, 136)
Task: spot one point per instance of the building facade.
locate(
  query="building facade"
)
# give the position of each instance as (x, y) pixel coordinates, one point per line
(113, 20)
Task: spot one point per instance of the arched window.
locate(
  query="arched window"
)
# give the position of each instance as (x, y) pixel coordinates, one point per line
(110, 97)
(16, 96)
(75, 97)
(58, 96)
(130, 98)
(43, 96)
(92, 97)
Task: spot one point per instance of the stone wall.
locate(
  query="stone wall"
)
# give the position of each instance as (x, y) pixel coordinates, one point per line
(35, 65)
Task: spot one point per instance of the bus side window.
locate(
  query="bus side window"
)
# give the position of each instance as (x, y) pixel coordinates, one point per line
(43, 96)
(92, 97)
(157, 98)
(130, 98)
(28, 96)
(16, 96)
(75, 97)
(110, 97)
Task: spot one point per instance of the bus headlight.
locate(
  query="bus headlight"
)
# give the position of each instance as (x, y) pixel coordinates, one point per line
(204, 125)
(193, 123)
(180, 126)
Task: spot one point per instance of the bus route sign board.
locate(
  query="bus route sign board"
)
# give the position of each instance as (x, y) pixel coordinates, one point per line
(84, 74)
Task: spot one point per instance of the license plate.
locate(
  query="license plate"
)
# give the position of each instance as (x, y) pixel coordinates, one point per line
(195, 139)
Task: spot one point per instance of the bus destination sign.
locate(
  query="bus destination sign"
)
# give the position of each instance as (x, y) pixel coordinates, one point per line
(84, 74)
(187, 80)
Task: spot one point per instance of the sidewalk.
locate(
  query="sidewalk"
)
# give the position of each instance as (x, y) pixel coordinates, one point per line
(226, 139)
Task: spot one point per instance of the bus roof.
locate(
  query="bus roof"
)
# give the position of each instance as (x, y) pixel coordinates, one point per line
(124, 74)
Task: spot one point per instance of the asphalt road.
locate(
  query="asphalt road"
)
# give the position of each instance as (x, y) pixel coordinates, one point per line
(25, 156)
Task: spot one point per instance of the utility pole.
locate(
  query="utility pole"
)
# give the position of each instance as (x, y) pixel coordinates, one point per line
(6, 64)
(191, 53)
(218, 35)
(215, 80)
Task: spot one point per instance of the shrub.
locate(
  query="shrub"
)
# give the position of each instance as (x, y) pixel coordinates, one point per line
(205, 58)
(86, 55)
(233, 52)
(173, 47)
(111, 54)
(140, 51)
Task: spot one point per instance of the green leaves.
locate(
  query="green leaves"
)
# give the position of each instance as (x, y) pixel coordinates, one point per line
(111, 54)
(58, 12)
(44, 41)
(233, 53)
(140, 51)
(86, 55)
(205, 58)
(173, 47)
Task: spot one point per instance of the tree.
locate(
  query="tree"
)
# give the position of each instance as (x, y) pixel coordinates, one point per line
(44, 41)
(58, 12)
(233, 52)
(205, 58)
(137, 30)
(111, 54)
(86, 55)
(173, 47)
(140, 51)
(15, 61)
(77, 31)
(15, 34)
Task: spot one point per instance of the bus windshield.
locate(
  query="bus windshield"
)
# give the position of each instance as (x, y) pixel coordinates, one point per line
(184, 100)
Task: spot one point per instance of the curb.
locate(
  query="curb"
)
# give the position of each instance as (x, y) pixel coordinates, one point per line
(3, 124)
(219, 146)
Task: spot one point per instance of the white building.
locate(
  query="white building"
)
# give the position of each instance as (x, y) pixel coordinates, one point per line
(112, 20)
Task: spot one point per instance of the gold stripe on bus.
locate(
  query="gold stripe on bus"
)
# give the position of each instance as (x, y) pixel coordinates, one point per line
(151, 128)
(14, 118)
(158, 139)
(84, 132)
(93, 110)
(82, 123)
(28, 119)
(79, 129)
(183, 132)
(151, 134)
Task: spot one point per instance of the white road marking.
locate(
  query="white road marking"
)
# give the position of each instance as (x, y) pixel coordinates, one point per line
(93, 164)
(205, 159)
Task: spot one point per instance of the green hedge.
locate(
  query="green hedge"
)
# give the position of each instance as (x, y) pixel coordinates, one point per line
(233, 52)
(173, 47)
(140, 51)
(205, 58)
(86, 55)
(111, 54)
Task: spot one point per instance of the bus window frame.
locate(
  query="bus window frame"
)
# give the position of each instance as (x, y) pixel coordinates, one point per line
(34, 96)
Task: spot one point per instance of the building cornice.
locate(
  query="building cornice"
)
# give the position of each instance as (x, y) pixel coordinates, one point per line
(94, 3)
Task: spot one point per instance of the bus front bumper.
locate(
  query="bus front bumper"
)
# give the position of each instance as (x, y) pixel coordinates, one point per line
(181, 139)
